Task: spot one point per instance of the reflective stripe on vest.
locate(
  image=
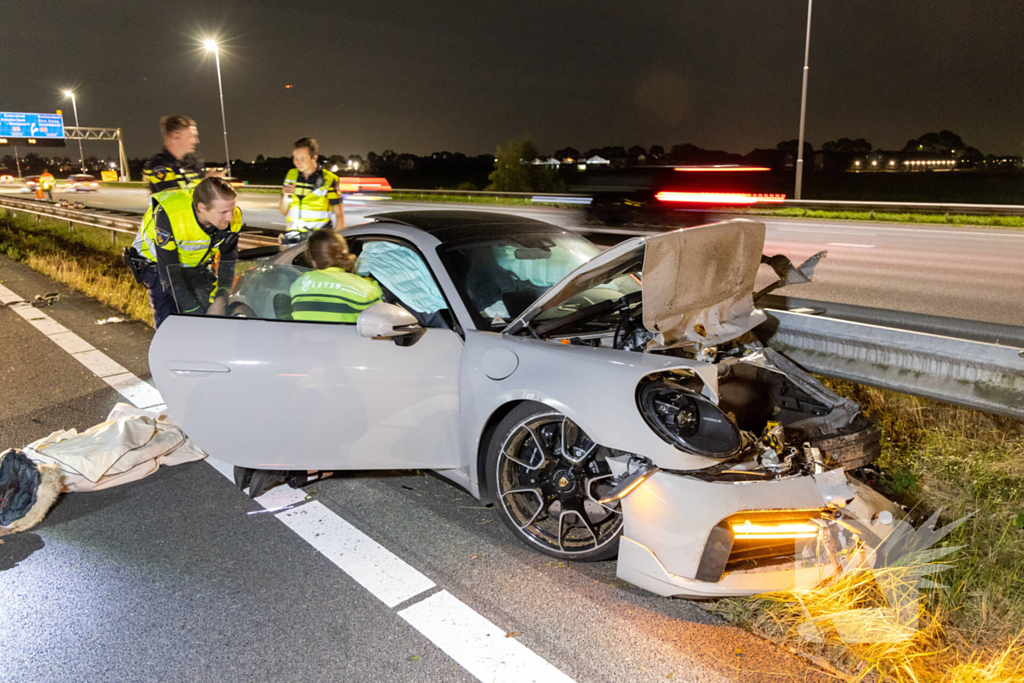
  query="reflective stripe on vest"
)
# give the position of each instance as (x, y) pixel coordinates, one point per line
(190, 240)
(332, 295)
(308, 208)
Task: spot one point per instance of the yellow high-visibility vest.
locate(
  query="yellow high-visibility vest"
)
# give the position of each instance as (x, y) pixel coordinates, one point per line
(332, 295)
(190, 240)
(310, 207)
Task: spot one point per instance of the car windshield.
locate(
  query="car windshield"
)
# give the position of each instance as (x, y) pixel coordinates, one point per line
(498, 278)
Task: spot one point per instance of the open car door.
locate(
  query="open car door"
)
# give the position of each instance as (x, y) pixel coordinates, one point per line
(256, 389)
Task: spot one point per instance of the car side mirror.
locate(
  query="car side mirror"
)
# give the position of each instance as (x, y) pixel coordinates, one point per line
(388, 321)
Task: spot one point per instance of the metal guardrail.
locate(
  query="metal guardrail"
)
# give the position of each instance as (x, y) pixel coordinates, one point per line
(87, 217)
(829, 204)
(989, 333)
(96, 218)
(908, 207)
(979, 375)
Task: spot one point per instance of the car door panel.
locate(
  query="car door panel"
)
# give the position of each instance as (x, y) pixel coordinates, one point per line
(297, 395)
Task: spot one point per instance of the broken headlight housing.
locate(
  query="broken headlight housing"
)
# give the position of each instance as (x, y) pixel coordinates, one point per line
(687, 420)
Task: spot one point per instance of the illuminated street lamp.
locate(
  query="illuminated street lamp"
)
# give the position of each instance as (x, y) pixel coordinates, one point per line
(211, 46)
(803, 109)
(74, 106)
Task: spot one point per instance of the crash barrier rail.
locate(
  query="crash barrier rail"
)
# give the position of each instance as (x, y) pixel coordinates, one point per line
(828, 204)
(974, 330)
(975, 374)
(95, 218)
(834, 205)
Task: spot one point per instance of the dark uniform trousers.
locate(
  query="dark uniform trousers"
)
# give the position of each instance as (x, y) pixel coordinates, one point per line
(160, 298)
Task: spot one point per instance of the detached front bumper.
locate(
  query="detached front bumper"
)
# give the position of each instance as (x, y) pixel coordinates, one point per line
(678, 539)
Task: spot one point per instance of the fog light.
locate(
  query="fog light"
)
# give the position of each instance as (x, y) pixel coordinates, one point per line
(772, 531)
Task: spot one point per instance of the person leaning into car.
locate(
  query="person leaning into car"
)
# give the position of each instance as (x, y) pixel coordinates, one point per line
(311, 197)
(331, 293)
(176, 167)
(189, 228)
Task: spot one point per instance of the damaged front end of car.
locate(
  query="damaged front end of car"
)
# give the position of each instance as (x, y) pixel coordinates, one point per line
(772, 496)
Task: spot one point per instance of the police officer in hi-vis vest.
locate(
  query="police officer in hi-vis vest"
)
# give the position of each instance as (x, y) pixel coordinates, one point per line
(175, 167)
(189, 229)
(310, 198)
(331, 293)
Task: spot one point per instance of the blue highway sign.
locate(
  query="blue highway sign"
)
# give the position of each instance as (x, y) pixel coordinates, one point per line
(32, 126)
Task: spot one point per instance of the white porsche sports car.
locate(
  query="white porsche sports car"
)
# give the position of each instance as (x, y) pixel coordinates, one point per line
(607, 403)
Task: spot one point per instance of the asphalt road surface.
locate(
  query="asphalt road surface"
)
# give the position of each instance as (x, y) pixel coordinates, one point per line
(181, 577)
(970, 273)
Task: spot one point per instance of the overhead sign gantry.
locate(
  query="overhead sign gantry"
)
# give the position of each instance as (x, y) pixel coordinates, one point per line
(47, 130)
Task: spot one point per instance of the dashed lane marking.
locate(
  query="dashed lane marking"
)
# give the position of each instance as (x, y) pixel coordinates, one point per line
(370, 564)
(136, 391)
(471, 640)
(482, 648)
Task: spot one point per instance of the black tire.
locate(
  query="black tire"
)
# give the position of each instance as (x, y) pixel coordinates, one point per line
(548, 500)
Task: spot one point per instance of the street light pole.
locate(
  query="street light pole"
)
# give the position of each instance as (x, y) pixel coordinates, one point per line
(212, 45)
(803, 109)
(74, 106)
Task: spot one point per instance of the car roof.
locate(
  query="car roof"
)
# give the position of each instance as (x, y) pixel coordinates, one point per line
(453, 226)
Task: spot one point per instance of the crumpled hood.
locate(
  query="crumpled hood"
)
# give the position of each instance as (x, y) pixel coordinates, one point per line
(698, 283)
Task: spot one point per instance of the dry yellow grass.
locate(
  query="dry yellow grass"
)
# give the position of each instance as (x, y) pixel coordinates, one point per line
(84, 259)
(934, 457)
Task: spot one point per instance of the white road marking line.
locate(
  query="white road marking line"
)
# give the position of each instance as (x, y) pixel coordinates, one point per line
(136, 391)
(476, 644)
(139, 393)
(99, 363)
(463, 634)
(848, 244)
(372, 566)
(71, 342)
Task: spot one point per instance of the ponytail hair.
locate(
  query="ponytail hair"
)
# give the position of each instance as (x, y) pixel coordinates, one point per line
(328, 249)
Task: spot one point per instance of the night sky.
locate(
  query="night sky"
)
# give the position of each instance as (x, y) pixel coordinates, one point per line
(421, 76)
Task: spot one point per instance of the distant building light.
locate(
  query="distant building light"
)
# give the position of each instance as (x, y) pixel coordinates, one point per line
(581, 167)
(874, 163)
(892, 163)
(856, 163)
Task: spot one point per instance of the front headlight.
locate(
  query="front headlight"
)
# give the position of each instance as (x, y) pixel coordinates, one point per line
(687, 420)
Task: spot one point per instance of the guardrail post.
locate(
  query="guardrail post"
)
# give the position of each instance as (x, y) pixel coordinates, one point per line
(70, 226)
(113, 237)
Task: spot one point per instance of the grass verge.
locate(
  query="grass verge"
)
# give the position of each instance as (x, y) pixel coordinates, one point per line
(85, 259)
(934, 457)
(965, 220)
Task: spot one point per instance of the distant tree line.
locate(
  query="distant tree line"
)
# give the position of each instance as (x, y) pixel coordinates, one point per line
(512, 169)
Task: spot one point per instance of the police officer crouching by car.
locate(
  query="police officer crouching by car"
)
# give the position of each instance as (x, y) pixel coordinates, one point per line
(183, 233)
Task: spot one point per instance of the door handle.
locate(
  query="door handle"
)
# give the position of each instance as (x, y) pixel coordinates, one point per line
(195, 367)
